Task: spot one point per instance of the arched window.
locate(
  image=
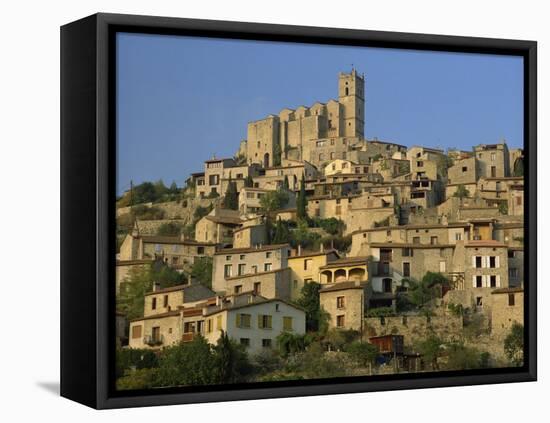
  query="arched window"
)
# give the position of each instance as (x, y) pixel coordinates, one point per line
(347, 91)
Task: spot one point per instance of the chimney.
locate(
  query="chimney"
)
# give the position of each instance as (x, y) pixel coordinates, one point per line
(156, 286)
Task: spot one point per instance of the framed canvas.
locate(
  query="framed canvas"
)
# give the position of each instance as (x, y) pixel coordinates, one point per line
(258, 211)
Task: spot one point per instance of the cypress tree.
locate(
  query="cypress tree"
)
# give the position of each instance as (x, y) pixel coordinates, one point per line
(301, 202)
(231, 200)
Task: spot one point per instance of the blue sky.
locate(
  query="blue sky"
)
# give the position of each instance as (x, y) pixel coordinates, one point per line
(182, 99)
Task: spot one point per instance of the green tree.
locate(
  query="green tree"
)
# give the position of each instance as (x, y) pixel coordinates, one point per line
(518, 167)
(273, 200)
(173, 188)
(503, 208)
(431, 349)
(513, 345)
(316, 317)
(230, 361)
(363, 353)
(277, 153)
(170, 229)
(248, 182)
(202, 271)
(138, 379)
(286, 185)
(460, 357)
(231, 199)
(191, 363)
(301, 201)
(282, 234)
(422, 293)
(461, 192)
(291, 343)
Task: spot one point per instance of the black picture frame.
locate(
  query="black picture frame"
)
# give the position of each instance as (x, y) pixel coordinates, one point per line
(88, 208)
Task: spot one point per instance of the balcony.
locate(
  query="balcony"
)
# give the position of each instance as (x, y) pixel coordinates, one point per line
(153, 341)
(188, 336)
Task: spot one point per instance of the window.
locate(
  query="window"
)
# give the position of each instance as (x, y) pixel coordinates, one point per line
(340, 302)
(458, 236)
(266, 343)
(228, 258)
(156, 334)
(166, 301)
(209, 326)
(136, 331)
(189, 327)
(493, 171)
(420, 164)
(257, 287)
(249, 195)
(416, 240)
(479, 301)
(227, 271)
(307, 264)
(464, 168)
(518, 201)
(513, 272)
(479, 281)
(242, 257)
(154, 303)
(245, 342)
(214, 180)
(493, 156)
(238, 289)
(387, 285)
(442, 267)
(254, 269)
(478, 262)
(268, 254)
(493, 281)
(267, 267)
(340, 321)
(407, 252)
(264, 321)
(388, 233)
(511, 300)
(287, 323)
(492, 262)
(242, 320)
(200, 250)
(406, 269)
(433, 240)
(242, 268)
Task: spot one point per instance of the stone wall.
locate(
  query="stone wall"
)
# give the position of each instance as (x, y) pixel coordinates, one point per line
(415, 328)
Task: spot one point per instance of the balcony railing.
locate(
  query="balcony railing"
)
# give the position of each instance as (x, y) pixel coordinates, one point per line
(188, 336)
(153, 341)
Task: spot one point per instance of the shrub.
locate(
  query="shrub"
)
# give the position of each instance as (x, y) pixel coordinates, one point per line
(138, 379)
(170, 229)
(363, 353)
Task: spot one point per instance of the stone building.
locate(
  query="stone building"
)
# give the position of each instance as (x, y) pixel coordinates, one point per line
(218, 226)
(493, 160)
(244, 261)
(218, 173)
(268, 284)
(124, 267)
(345, 302)
(164, 312)
(291, 132)
(176, 251)
(344, 270)
(464, 172)
(250, 236)
(507, 308)
(304, 268)
(253, 321)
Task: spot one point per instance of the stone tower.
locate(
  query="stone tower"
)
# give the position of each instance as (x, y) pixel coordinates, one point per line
(351, 96)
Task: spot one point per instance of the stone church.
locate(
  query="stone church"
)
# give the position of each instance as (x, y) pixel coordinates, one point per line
(302, 134)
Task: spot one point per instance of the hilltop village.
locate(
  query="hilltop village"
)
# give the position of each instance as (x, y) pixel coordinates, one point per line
(316, 245)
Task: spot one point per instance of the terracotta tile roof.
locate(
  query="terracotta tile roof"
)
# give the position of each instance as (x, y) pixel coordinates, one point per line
(346, 261)
(230, 307)
(507, 290)
(340, 286)
(156, 239)
(157, 316)
(485, 243)
(271, 247)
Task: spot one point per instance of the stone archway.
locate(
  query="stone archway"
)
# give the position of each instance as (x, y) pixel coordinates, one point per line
(340, 275)
(357, 274)
(266, 160)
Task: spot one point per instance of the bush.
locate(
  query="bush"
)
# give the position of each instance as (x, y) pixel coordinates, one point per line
(138, 379)
(133, 358)
(363, 353)
(461, 357)
(170, 229)
(380, 312)
(513, 345)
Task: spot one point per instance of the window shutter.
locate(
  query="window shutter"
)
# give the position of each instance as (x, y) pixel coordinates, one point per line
(260, 321)
(474, 262)
(238, 320)
(498, 280)
(474, 280)
(497, 261)
(269, 322)
(486, 281)
(483, 261)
